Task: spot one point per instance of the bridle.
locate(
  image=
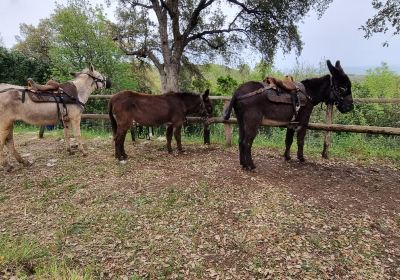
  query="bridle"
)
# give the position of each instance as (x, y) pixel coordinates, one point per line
(97, 80)
(337, 93)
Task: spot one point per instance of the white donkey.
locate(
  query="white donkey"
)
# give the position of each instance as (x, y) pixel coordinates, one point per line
(15, 105)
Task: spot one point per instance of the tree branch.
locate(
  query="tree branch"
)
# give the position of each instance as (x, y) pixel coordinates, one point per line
(195, 16)
(212, 32)
(211, 45)
(244, 7)
(142, 52)
(136, 3)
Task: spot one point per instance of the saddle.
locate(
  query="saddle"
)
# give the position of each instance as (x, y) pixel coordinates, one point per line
(51, 85)
(54, 92)
(287, 84)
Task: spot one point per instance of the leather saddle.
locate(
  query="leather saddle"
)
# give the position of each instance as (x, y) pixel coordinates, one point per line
(51, 85)
(53, 92)
(287, 84)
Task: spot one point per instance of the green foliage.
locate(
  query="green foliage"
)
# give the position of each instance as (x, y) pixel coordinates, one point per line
(382, 82)
(15, 68)
(386, 19)
(82, 36)
(35, 42)
(226, 84)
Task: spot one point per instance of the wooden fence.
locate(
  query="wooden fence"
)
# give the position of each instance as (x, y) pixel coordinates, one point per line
(327, 127)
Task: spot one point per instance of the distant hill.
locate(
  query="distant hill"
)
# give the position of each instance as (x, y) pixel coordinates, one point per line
(362, 70)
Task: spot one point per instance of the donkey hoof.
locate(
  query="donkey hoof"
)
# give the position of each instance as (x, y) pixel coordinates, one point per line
(302, 159)
(287, 158)
(122, 162)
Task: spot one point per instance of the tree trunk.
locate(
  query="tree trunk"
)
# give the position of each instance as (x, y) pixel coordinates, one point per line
(170, 78)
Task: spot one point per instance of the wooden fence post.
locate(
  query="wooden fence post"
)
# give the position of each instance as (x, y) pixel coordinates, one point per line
(41, 131)
(227, 127)
(328, 134)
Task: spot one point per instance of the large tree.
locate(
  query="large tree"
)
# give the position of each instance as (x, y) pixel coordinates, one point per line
(35, 41)
(81, 36)
(168, 32)
(386, 19)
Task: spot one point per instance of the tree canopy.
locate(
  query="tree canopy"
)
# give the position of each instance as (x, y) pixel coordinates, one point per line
(387, 19)
(34, 41)
(166, 31)
(74, 36)
(15, 68)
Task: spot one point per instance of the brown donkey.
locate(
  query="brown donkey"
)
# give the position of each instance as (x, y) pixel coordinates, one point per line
(127, 107)
(252, 109)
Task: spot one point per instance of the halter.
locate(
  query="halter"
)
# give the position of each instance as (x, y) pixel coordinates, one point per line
(336, 94)
(96, 80)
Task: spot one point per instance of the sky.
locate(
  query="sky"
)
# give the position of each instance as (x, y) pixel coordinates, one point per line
(335, 36)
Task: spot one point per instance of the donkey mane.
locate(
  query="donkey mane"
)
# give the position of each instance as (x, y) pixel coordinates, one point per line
(316, 87)
(182, 93)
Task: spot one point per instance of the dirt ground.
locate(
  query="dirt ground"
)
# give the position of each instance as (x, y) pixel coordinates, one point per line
(199, 216)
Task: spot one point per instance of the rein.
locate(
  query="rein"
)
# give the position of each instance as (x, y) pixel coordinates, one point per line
(255, 92)
(267, 87)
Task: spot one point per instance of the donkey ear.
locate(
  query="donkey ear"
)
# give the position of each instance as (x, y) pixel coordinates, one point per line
(338, 66)
(332, 68)
(91, 67)
(72, 74)
(206, 94)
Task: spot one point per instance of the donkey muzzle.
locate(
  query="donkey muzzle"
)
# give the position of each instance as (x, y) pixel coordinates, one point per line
(108, 83)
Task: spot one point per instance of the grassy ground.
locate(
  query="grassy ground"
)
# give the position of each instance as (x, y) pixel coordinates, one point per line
(195, 216)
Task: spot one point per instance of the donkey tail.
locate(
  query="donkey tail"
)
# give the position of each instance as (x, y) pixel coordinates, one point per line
(228, 110)
(112, 118)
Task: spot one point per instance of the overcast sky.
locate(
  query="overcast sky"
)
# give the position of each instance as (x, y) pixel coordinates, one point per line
(334, 36)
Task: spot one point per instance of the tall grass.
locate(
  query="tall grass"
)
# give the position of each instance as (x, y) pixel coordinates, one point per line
(344, 145)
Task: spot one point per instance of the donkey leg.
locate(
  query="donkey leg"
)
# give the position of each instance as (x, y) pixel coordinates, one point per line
(251, 128)
(301, 134)
(11, 147)
(120, 153)
(242, 157)
(170, 130)
(67, 137)
(3, 160)
(76, 125)
(288, 142)
(177, 135)
(247, 144)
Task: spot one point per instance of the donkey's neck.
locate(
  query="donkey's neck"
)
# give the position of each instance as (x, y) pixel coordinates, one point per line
(191, 102)
(85, 86)
(318, 88)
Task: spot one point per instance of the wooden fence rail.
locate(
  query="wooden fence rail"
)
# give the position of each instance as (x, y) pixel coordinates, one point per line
(228, 98)
(328, 127)
(312, 126)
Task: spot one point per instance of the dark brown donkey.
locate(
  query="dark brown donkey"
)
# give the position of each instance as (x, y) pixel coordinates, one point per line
(251, 110)
(127, 107)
